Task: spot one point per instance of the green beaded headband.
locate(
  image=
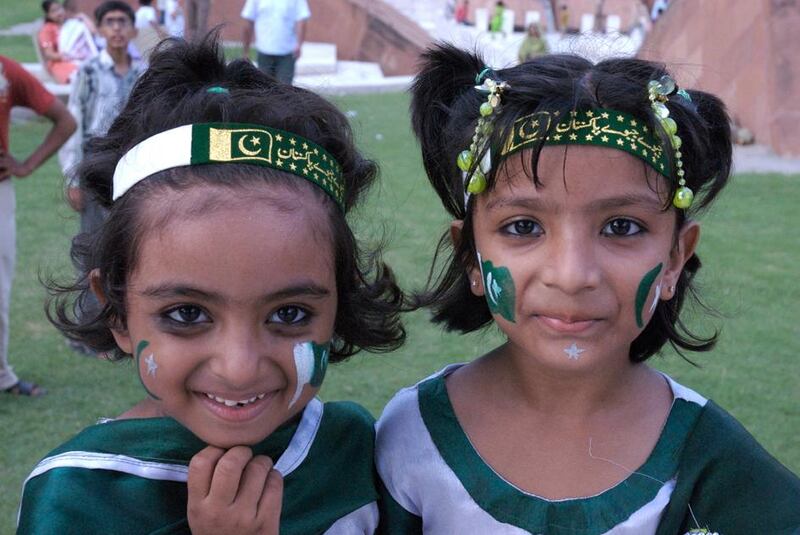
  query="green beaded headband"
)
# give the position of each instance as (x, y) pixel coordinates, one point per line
(600, 127)
(208, 143)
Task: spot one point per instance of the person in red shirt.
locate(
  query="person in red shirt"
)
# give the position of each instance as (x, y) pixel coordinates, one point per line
(19, 88)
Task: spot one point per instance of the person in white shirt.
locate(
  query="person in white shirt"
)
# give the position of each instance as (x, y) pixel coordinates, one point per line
(279, 27)
(146, 15)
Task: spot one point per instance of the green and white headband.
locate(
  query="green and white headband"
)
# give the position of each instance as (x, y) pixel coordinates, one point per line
(209, 143)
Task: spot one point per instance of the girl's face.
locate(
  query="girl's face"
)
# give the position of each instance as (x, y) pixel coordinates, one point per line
(573, 270)
(230, 307)
(55, 13)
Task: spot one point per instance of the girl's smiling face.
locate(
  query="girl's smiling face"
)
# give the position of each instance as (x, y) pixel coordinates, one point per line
(219, 300)
(572, 269)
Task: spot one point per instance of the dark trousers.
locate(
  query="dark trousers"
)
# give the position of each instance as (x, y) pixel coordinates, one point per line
(280, 67)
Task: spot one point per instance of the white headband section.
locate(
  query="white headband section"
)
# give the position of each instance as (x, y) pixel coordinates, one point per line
(168, 149)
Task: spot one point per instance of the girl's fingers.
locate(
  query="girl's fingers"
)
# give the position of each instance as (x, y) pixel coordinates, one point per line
(269, 507)
(201, 471)
(254, 479)
(228, 473)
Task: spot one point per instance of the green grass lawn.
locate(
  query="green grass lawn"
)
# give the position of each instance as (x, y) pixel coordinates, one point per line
(749, 246)
(16, 11)
(18, 47)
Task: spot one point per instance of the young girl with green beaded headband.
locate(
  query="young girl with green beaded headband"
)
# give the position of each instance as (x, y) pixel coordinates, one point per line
(573, 189)
(229, 278)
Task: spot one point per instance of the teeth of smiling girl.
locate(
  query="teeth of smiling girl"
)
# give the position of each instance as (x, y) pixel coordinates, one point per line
(233, 403)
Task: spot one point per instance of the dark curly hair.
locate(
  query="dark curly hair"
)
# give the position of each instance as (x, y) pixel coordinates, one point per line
(444, 110)
(173, 92)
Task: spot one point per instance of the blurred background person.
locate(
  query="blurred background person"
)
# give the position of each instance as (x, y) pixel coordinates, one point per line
(58, 66)
(20, 88)
(76, 40)
(197, 18)
(533, 45)
(279, 27)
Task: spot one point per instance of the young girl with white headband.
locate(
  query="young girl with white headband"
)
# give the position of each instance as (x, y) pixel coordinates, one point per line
(230, 278)
(573, 189)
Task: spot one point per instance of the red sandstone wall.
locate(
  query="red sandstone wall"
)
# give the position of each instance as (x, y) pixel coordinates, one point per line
(363, 30)
(627, 10)
(746, 52)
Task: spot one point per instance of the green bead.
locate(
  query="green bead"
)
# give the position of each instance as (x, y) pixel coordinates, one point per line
(477, 183)
(667, 85)
(669, 125)
(486, 109)
(676, 142)
(661, 110)
(683, 198)
(464, 160)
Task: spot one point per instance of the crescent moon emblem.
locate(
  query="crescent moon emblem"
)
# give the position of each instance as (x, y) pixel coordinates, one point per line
(245, 151)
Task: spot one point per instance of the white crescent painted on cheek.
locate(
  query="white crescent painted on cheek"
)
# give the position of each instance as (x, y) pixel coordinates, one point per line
(304, 363)
(491, 288)
(656, 297)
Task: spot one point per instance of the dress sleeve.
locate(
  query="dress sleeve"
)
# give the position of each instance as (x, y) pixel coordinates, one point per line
(728, 483)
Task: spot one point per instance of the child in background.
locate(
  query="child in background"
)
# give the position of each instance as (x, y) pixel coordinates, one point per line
(60, 67)
(573, 188)
(229, 277)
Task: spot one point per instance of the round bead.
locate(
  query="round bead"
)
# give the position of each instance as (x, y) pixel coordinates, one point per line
(464, 160)
(681, 172)
(679, 163)
(661, 110)
(486, 109)
(653, 86)
(683, 198)
(477, 183)
(486, 128)
(494, 101)
(669, 125)
(667, 85)
(678, 154)
(676, 142)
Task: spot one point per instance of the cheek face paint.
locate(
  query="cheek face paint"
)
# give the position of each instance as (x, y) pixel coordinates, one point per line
(573, 352)
(644, 290)
(499, 289)
(152, 366)
(311, 363)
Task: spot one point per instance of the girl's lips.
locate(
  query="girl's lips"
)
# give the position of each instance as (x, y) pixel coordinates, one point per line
(236, 410)
(566, 326)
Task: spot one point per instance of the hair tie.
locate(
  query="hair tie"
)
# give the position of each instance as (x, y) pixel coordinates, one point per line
(217, 90)
(481, 75)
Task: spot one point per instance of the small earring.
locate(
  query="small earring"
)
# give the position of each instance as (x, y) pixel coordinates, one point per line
(474, 283)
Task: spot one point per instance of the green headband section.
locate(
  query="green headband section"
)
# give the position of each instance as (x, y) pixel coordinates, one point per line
(268, 147)
(600, 127)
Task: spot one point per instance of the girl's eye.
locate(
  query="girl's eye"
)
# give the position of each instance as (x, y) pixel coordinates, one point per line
(289, 315)
(622, 227)
(187, 314)
(524, 227)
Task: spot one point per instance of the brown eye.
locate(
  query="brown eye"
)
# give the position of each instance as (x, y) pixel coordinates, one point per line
(622, 227)
(187, 314)
(289, 315)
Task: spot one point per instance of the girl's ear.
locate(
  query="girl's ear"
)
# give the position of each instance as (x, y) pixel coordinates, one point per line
(688, 238)
(120, 335)
(474, 271)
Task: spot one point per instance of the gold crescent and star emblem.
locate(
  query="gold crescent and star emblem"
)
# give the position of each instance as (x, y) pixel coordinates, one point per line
(254, 141)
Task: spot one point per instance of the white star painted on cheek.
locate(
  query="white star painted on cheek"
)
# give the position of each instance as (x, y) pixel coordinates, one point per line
(573, 352)
(151, 365)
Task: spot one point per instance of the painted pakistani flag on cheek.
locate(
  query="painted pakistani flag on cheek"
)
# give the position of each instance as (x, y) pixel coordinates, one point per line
(152, 366)
(499, 289)
(311, 363)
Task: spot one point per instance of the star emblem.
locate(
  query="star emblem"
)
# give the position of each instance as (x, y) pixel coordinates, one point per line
(620, 118)
(573, 352)
(293, 167)
(590, 113)
(305, 171)
(305, 146)
(605, 139)
(557, 137)
(589, 137)
(279, 163)
(633, 145)
(604, 115)
(620, 142)
(293, 141)
(316, 152)
(279, 138)
(633, 122)
(644, 152)
(255, 141)
(573, 137)
(152, 366)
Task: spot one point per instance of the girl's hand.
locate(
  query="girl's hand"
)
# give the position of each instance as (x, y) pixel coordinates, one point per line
(233, 492)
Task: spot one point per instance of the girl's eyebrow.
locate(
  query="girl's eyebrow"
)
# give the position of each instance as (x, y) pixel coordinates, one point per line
(171, 291)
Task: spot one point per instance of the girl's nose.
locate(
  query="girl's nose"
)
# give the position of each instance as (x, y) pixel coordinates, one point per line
(239, 355)
(570, 264)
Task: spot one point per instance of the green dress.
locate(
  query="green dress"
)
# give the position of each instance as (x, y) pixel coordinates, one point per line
(129, 476)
